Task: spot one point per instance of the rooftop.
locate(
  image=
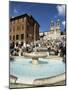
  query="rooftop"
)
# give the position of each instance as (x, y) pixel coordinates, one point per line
(24, 15)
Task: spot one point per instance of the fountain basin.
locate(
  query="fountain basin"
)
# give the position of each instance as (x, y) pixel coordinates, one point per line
(50, 80)
(48, 71)
(35, 56)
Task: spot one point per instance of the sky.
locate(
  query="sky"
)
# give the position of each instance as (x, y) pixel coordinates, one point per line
(42, 12)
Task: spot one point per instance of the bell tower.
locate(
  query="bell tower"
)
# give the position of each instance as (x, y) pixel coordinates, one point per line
(51, 26)
(58, 25)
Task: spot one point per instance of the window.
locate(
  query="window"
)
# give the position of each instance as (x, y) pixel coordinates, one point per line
(13, 37)
(17, 37)
(21, 43)
(22, 36)
(18, 27)
(27, 35)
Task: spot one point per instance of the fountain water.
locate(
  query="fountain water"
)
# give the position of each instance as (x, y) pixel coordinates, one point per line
(20, 52)
(37, 74)
(35, 55)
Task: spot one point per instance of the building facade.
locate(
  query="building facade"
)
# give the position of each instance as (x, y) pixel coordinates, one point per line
(24, 28)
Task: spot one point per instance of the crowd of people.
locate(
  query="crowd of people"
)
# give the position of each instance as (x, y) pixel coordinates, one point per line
(58, 46)
(17, 49)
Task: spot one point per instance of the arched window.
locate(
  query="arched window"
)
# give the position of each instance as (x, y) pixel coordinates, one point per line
(17, 37)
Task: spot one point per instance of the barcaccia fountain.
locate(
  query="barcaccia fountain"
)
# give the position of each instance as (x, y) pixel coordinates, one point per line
(35, 55)
(35, 69)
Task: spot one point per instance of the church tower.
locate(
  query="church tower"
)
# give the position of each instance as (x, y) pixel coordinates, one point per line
(52, 26)
(58, 25)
